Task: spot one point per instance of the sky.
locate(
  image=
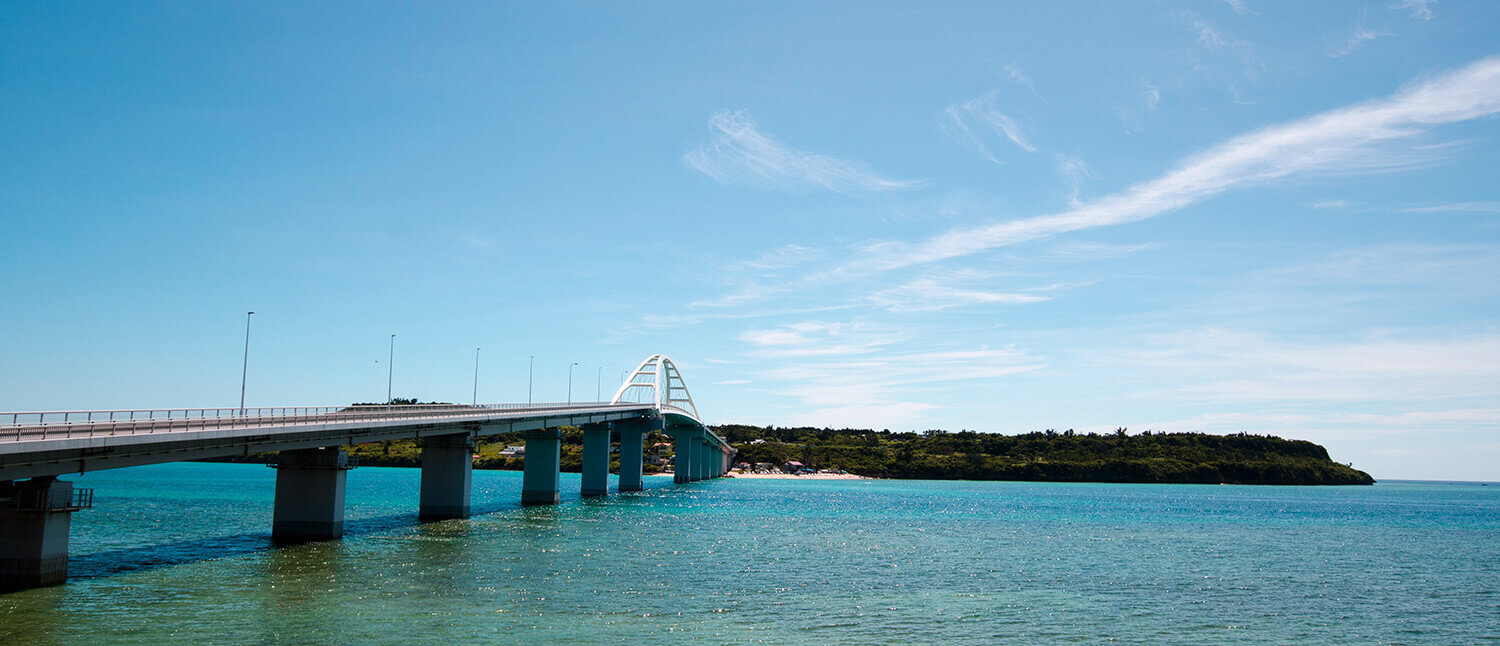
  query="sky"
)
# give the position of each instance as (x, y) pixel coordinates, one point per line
(1218, 216)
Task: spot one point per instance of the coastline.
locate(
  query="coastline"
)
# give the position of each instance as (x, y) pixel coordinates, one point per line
(788, 476)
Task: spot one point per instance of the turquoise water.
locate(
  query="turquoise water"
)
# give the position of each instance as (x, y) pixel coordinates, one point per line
(180, 553)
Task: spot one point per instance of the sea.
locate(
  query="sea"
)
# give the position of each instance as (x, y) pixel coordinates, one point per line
(181, 554)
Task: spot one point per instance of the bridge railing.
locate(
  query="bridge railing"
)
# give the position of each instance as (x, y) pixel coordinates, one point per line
(35, 425)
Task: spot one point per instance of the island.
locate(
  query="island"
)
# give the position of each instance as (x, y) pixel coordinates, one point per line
(1050, 455)
(1066, 456)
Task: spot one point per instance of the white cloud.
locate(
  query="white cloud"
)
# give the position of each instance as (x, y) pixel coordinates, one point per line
(1332, 204)
(818, 339)
(1075, 171)
(1360, 37)
(1456, 207)
(1014, 71)
(1153, 95)
(1239, 7)
(1353, 139)
(747, 293)
(1213, 38)
(741, 154)
(981, 112)
(732, 382)
(875, 391)
(932, 293)
(1232, 366)
(1420, 9)
(1084, 250)
(788, 255)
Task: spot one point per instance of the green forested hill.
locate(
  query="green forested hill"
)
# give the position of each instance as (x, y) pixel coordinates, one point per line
(967, 455)
(1065, 456)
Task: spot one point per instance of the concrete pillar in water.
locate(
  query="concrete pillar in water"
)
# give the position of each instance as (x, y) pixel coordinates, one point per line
(682, 469)
(596, 459)
(447, 475)
(706, 449)
(309, 495)
(632, 446)
(34, 524)
(543, 475)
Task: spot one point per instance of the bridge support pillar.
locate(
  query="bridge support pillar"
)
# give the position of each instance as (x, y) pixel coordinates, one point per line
(447, 476)
(632, 447)
(684, 448)
(309, 495)
(596, 459)
(34, 526)
(543, 475)
(701, 457)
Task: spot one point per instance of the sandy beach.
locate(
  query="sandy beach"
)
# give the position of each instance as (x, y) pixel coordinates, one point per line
(788, 476)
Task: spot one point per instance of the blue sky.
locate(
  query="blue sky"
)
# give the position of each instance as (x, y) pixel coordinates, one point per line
(1199, 216)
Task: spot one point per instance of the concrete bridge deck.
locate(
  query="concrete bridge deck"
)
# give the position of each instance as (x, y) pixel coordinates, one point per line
(311, 466)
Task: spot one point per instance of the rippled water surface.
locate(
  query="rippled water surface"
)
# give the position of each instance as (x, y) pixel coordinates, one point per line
(180, 553)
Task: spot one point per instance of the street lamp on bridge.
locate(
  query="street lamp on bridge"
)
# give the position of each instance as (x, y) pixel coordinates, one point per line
(475, 401)
(390, 370)
(529, 366)
(245, 367)
(570, 382)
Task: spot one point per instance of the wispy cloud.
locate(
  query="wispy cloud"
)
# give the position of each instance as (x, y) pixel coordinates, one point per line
(1075, 171)
(1353, 139)
(818, 339)
(1239, 7)
(875, 391)
(1331, 204)
(1456, 207)
(1153, 95)
(1361, 36)
(963, 119)
(1420, 9)
(936, 293)
(1014, 71)
(1212, 38)
(1083, 250)
(741, 154)
(1229, 365)
(788, 255)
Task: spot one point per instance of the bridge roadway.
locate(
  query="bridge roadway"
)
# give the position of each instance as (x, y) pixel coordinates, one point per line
(309, 500)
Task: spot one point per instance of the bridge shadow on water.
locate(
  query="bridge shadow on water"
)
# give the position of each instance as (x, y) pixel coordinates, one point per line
(160, 555)
(154, 556)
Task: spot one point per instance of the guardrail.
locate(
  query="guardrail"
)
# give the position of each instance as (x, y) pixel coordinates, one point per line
(44, 425)
(53, 499)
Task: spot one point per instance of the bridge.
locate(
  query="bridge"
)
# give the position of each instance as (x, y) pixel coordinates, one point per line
(36, 447)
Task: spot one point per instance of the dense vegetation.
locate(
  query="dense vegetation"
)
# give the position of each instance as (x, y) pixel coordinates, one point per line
(965, 455)
(1065, 456)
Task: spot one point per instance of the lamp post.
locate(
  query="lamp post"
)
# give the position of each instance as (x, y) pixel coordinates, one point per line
(245, 367)
(529, 366)
(598, 378)
(570, 382)
(475, 401)
(390, 370)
